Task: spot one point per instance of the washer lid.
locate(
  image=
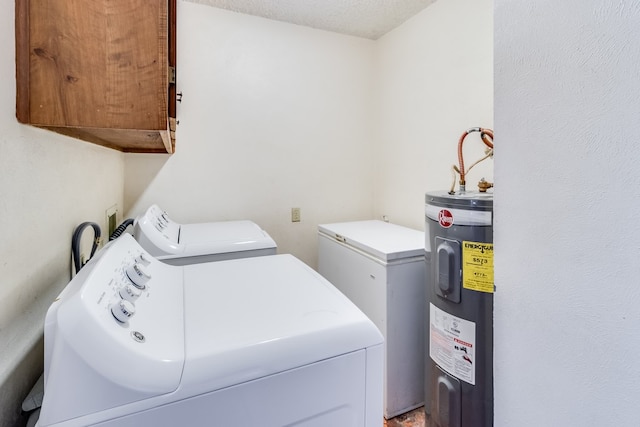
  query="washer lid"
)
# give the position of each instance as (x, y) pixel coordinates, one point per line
(252, 317)
(379, 239)
(222, 237)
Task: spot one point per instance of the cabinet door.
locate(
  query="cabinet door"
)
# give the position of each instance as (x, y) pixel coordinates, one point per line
(97, 70)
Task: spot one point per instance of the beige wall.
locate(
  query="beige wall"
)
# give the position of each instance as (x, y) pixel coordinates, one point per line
(277, 116)
(434, 80)
(49, 185)
(566, 213)
(274, 116)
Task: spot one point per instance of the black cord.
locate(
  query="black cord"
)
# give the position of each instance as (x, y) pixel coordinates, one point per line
(121, 228)
(75, 243)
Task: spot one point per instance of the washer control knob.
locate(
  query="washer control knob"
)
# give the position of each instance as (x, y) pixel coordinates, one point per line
(122, 310)
(143, 259)
(130, 293)
(138, 275)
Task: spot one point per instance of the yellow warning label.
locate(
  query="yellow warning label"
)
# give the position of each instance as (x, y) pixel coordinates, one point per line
(477, 266)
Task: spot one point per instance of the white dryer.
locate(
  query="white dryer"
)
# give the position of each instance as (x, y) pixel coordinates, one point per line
(182, 244)
(262, 341)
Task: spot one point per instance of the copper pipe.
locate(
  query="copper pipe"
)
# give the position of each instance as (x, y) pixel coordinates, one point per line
(484, 133)
(487, 137)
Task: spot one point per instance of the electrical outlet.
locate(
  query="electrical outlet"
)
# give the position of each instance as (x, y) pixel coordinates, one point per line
(111, 215)
(295, 214)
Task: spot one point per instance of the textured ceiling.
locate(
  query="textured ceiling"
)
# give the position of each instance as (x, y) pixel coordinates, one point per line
(363, 18)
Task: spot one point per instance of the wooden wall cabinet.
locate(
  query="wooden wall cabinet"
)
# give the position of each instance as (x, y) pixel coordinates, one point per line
(99, 70)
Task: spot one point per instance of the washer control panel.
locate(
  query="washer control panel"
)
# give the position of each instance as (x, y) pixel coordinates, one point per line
(157, 232)
(130, 281)
(129, 289)
(125, 308)
(161, 222)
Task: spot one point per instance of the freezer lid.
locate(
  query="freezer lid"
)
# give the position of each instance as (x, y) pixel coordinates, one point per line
(382, 240)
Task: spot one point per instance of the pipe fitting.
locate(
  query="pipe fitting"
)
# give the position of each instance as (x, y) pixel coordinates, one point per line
(484, 185)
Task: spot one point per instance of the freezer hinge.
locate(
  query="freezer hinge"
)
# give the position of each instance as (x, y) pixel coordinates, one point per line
(340, 238)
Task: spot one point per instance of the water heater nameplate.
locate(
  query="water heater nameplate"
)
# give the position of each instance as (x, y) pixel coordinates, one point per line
(452, 344)
(477, 266)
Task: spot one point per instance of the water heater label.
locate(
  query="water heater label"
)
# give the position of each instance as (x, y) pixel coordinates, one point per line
(452, 344)
(445, 218)
(477, 266)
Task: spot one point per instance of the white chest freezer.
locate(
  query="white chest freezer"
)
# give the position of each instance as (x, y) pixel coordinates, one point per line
(381, 268)
(262, 341)
(183, 244)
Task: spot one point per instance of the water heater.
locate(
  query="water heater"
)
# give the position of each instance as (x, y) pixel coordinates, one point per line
(459, 356)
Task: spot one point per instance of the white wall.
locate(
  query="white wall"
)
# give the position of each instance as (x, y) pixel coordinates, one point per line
(567, 113)
(274, 116)
(433, 81)
(50, 184)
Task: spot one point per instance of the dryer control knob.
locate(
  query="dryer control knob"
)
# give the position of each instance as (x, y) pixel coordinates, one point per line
(130, 293)
(138, 275)
(122, 311)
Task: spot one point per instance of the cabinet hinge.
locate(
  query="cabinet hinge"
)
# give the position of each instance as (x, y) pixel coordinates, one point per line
(172, 75)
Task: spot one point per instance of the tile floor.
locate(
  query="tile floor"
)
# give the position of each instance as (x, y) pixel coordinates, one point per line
(413, 418)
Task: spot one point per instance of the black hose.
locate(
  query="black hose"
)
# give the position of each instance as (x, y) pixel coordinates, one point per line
(121, 228)
(75, 243)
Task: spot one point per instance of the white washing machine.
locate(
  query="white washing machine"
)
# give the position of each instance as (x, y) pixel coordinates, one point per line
(381, 267)
(262, 341)
(182, 244)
